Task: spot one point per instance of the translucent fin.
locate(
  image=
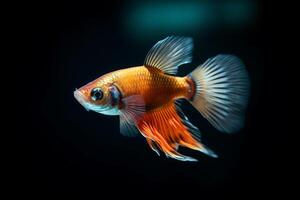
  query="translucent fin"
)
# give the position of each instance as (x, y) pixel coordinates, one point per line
(190, 127)
(169, 53)
(195, 133)
(127, 126)
(208, 152)
(222, 91)
(134, 107)
(165, 128)
(153, 146)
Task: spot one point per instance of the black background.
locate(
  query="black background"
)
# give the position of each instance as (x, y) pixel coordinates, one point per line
(61, 148)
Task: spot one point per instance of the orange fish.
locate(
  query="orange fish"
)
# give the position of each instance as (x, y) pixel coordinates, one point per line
(145, 97)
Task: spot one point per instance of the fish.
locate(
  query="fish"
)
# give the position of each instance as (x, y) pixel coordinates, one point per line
(147, 97)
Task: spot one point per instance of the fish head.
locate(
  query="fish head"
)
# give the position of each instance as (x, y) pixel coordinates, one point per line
(99, 96)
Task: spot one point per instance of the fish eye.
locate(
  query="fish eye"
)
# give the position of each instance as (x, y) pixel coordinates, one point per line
(96, 94)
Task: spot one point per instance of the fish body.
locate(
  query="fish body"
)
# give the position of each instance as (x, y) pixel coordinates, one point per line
(145, 97)
(150, 83)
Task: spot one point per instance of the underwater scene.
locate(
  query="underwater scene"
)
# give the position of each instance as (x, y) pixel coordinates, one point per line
(148, 96)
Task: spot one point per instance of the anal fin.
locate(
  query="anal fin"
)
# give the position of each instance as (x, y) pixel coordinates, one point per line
(164, 127)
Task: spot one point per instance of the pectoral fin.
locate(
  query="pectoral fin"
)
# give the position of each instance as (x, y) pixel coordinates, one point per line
(132, 111)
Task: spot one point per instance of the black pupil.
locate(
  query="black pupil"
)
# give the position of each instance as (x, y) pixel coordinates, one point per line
(96, 94)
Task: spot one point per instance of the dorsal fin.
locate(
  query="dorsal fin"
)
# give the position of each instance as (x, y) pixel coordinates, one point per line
(168, 54)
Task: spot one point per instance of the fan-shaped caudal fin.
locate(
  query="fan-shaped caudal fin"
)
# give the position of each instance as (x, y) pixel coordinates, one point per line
(165, 129)
(222, 92)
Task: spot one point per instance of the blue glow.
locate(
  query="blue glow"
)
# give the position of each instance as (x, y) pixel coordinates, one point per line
(186, 17)
(160, 17)
(173, 16)
(240, 12)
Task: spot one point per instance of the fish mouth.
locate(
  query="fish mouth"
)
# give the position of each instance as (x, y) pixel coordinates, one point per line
(80, 98)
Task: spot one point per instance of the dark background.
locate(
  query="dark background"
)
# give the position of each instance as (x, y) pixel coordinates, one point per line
(61, 148)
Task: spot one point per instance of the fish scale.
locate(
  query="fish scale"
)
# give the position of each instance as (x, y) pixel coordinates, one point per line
(156, 87)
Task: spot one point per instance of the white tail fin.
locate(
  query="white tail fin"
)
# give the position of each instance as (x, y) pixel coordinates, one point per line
(222, 90)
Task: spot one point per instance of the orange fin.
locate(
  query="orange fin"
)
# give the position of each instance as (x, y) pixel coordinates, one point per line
(167, 127)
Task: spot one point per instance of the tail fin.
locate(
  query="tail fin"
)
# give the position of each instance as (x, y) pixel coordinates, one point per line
(221, 93)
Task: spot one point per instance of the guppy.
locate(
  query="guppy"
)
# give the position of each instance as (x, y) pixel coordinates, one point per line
(146, 97)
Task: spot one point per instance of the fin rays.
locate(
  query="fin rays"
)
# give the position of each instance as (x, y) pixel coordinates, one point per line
(169, 53)
(168, 128)
(222, 91)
